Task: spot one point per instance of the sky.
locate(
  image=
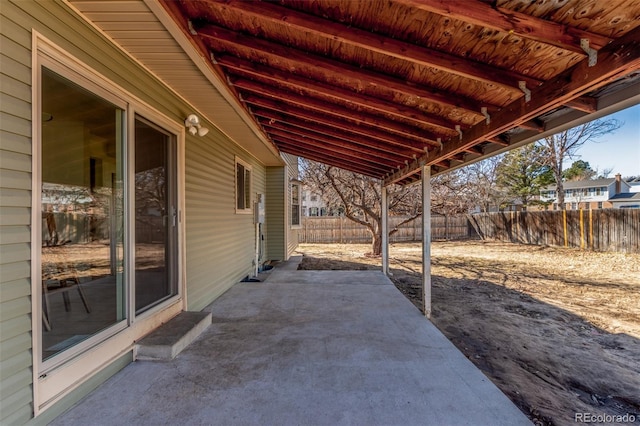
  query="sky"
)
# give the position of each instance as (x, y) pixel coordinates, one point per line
(619, 151)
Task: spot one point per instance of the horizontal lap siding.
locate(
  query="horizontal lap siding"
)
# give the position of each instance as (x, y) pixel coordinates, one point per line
(292, 238)
(275, 211)
(219, 243)
(15, 202)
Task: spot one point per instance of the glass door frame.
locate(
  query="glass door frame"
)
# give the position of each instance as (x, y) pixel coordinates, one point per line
(64, 70)
(173, 187)
(177, 132)
(54, 378)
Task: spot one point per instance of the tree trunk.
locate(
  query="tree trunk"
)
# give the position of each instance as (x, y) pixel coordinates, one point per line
(376, 246)
(560, 193)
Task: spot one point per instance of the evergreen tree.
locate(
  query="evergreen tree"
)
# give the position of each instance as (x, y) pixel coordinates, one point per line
(579, 170)
(522, 172)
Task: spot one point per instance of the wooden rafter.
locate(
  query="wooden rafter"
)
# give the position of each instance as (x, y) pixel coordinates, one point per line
(356, 144)
(310, 24)
(586, 104)
(277, 53)
(349, 161)
(486, 15)
(335, 148)
(317, 126)
(615, 60)
(294, 81)
(532, 125)
(382, 123)
(332, 160)
(475, 150)
(342, 123)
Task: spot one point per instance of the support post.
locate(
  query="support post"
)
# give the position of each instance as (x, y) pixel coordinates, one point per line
(426, 240)
(385, 229)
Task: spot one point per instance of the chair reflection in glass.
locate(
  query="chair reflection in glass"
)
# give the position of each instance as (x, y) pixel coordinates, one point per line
(59, 274)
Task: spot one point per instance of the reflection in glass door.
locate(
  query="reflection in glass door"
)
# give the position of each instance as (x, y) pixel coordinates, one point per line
(155, 216)
(82, 214)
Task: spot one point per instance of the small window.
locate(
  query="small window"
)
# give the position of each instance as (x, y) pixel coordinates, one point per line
(314, 198)
(243, 187)
(599, 204)
(295, 204)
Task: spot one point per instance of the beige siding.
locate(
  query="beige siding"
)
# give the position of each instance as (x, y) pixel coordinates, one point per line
(219, 242)
(275, 212)
(292, 169)
(15, 201)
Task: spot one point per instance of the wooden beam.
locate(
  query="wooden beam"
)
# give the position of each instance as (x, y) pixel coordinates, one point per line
(356, 145)
(532, 125)
(334, 162)
(329, 144)
(339, 160)
(324, 148)
(586, 104)
(498, 141)
(270, 74)
(273, 14)
(616, 60)
(415, 143)
(326, 128)
(476, 150)
(305, 102)
(509, 21)
(325, 66)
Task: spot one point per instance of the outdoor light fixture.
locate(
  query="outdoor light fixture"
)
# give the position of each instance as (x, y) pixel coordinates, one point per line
(192, 123)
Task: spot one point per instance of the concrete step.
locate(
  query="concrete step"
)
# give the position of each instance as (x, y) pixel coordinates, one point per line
(166, 342)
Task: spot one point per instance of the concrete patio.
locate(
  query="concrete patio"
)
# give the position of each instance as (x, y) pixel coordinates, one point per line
(306, 348)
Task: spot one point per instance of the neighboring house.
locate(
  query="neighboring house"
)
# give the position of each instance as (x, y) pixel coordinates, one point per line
(635, 184)
(626, 200)
(588, 194)
(114, 216)
(312, 204)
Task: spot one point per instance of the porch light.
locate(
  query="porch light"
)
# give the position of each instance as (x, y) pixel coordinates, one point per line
(192, 123)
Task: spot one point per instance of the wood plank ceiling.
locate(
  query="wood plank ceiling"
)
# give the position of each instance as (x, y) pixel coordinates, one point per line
(382, 86)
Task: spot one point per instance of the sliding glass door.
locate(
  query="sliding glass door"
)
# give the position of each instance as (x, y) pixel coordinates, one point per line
(109, 216)
(81, 199)
(156, 215)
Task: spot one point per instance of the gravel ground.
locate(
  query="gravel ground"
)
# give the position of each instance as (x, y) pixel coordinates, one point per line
(558, 330)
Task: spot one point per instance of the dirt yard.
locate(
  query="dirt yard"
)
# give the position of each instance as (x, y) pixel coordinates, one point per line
(558, 330)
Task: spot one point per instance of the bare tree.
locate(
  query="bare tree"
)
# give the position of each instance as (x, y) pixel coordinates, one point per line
(565, 144)
(481, 184)
(359, 197)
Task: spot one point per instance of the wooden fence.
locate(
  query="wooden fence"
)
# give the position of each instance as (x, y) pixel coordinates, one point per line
(343, 230)
(599, 230)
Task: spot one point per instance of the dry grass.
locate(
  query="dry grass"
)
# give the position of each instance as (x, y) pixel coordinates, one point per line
(558, 330)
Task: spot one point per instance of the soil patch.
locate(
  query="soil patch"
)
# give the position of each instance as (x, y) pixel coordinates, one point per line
(557, 330)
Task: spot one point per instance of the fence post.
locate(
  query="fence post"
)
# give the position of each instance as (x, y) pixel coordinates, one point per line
(581, 230)
(591, 228)
(446, 228)
(564, 227)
